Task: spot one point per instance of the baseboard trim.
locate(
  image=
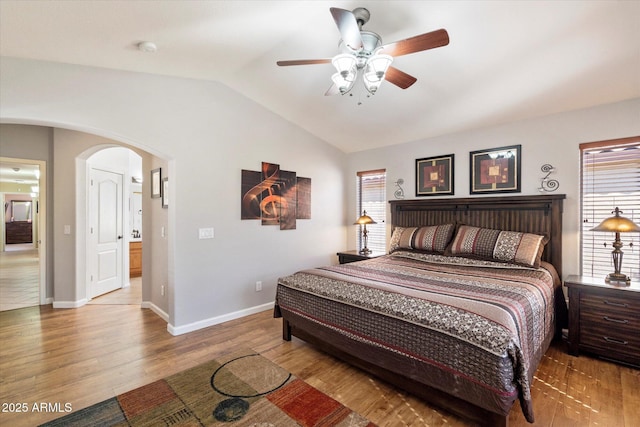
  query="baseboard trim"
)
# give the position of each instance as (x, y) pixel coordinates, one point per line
(157, 310)
(69, 304)
(173, 330)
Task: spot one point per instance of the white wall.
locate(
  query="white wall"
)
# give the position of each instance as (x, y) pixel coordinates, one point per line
(207, 134)
(552, 139)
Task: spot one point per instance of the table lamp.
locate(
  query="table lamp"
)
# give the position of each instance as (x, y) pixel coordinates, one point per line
(617, 224)
(364, 220)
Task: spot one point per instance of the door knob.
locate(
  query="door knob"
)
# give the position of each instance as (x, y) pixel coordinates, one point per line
(119, 237)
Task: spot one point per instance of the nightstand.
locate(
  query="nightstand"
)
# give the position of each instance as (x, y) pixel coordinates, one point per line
(353, 256)
(604, 319)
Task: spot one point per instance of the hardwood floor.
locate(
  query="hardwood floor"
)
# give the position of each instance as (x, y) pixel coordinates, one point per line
(20, 284)
(85, 355)
(132, 294)
(19, 281)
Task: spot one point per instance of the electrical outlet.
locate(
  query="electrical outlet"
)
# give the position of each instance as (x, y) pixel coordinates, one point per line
(162, 290)
(258, 286)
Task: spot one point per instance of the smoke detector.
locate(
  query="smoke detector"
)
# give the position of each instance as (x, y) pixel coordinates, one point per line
(149, 47)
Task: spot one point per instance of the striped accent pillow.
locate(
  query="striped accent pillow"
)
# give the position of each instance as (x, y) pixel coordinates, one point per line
(507, 246)
(434, 238)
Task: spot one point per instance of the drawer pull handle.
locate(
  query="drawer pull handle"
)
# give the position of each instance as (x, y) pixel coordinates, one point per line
(609, 319)
(616, 304)
(613, 340)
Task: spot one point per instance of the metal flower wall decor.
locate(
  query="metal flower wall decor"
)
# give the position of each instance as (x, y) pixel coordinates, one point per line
(546, 184)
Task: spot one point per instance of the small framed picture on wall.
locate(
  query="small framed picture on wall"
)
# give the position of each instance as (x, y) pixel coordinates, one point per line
(434, 175)
(156, 177)
(165, 192)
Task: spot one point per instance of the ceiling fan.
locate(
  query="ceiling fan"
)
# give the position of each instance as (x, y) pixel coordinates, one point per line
(362, 53)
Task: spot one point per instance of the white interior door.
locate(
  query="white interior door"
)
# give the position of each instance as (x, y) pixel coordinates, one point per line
(106, 231)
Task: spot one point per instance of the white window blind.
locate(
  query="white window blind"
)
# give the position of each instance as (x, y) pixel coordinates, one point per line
(610, 179)
(371, 197)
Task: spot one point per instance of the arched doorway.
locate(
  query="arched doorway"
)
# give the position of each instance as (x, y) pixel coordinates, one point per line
(114, 217)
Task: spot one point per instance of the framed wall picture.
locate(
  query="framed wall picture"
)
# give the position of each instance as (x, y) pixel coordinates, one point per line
(495, 170)
(434, 175)
(165, 192)
(156, 177)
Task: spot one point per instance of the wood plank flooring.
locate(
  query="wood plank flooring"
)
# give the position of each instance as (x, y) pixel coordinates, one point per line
(85, 355)
(131, 294)
(19, 281)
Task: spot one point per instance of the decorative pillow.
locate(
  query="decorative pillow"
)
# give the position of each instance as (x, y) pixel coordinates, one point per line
(434, 238)
(507, 246)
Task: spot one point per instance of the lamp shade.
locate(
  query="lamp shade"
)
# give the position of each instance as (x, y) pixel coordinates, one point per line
(364, 219)
(345, 64)
(343, 84)
(375, 71)
(378, 65)
(617, 224)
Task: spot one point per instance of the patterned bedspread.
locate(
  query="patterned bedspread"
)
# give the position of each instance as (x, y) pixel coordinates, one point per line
(477, 329)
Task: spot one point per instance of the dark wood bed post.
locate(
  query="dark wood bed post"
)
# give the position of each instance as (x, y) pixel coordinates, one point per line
(286, 330)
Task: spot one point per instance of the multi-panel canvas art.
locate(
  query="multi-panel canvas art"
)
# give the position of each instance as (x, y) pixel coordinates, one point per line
(275, 196)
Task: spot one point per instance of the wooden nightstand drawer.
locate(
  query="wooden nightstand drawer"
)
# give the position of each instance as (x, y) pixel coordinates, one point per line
(614, 317)
(606, 304)
(603, 335)
(610, 323)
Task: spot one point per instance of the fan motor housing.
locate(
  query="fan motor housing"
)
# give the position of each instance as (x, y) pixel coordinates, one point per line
(362, 15)
(370, 42)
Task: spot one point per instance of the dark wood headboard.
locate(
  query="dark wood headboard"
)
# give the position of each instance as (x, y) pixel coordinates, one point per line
(539, 214)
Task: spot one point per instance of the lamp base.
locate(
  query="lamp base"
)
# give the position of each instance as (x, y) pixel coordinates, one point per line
(365, 251)
(618, 278)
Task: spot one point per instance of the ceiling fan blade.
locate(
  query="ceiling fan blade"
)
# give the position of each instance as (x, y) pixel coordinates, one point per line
(304, 62)
(419, 43)
(348, 27)
(333, 90)
(399, 78)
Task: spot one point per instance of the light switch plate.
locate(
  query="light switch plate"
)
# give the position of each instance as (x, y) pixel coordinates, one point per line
(205, 233)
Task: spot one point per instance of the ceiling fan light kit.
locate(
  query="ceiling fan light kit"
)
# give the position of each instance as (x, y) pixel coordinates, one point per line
(362, 54)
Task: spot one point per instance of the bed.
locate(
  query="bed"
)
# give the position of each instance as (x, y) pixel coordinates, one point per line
(459, 313)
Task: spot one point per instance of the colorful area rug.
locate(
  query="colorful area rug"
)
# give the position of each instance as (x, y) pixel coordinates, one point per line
(241, 389)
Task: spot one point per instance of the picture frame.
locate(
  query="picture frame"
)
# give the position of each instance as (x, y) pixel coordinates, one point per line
(156, 188)
(495, 170)
(435, 175)
(165, 192)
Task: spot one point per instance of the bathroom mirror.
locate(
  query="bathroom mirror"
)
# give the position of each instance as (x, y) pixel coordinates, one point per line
(20, 210)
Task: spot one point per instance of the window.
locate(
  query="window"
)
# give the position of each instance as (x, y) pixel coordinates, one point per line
(610, 172)
(371, 197)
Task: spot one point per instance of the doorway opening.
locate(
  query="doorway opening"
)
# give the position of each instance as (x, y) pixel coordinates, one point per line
(23, 254)
(114, 219)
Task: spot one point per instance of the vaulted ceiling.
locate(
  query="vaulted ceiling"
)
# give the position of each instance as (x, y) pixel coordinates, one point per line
(506, 61)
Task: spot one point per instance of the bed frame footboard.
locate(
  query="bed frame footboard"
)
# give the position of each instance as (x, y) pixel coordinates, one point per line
(468, 411)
